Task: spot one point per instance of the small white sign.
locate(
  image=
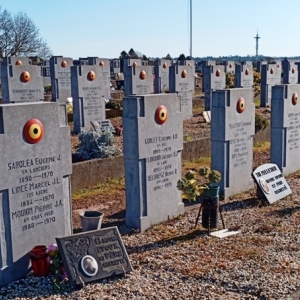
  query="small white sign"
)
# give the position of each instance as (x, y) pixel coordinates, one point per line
(271, 182)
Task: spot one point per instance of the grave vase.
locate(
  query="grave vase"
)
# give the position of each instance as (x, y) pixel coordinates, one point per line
(210, 206)
(38, 257)
(91, 220)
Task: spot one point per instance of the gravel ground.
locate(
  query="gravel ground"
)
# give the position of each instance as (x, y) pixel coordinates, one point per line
(175, 260)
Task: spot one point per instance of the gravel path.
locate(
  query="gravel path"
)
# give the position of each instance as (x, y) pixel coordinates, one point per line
(173, 260)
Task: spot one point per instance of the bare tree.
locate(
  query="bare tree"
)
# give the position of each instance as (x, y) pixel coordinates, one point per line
(20, 37)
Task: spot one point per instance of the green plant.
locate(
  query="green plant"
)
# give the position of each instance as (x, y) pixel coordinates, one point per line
(114, 105)
(96, 145)
(47, 89)
(69, 108)
(192, 188)
(56, 266)
(229, 80)
(187, 138)
(260, 122)
(256, 83)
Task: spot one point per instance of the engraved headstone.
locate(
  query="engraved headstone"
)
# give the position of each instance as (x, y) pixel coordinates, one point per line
(259, 64)
(35, 168)
(203, 65)
(16, 60)
(88, 96)
(115, 66)
(188, 62)
(104, 73)
(21, 82)
(290, 72)
(270, 76)
(94, 255)
(161, 71)
(285, 128)
(46, 73)
(243, 75)
(232, 131)
(138, 80)
(60, 71)
(271, 183)
(229, 66)
(144, 62)
(128, 62)
(181, 82)
(214, 79)
(153, 143)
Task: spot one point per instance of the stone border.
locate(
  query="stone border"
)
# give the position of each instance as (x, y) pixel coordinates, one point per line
(91, 172)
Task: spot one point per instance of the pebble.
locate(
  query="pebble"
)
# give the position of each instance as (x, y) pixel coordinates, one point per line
(175, 261)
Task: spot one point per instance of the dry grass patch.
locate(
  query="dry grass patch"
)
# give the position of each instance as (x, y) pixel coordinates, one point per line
(110, 187)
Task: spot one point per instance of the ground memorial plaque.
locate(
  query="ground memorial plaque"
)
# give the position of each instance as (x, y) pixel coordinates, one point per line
(21, 83)
(270, 76)
(215, 79)
(138, 80)
(182, 82)
(285, 128)
(232, 131)
(290, 72)
(161, 71)
(271, 183)
(60, 71)
(88, 96)
(244, 75)
(35, 168)
(153, 142)
(94, 255)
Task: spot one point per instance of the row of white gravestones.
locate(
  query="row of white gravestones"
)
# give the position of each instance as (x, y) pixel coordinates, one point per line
(214, 79)
(35, 169)
(169, 77)
(87, 82)
(151, 144)
(232, 131)
(243, 75)
(270, 76)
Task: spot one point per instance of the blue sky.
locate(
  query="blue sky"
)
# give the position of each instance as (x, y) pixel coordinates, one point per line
(104, 28)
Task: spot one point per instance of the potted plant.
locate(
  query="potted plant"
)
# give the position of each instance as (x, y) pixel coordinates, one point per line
(192, 188)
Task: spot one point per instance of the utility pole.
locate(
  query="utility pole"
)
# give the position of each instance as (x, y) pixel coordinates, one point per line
(257, 38)
(191, 29)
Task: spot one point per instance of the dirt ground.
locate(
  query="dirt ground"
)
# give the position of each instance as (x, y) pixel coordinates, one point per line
(110, 197)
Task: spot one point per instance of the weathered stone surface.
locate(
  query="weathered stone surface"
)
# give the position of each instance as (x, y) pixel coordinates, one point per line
(35, 168)
(60, 71)
(232, 131)
(153, 142)
(285, 128)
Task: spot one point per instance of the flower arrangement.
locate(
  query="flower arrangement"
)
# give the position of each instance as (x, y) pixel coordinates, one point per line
(56, 266)
(190, 185)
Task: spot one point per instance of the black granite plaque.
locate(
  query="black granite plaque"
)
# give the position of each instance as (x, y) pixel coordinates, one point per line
(93, 255)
